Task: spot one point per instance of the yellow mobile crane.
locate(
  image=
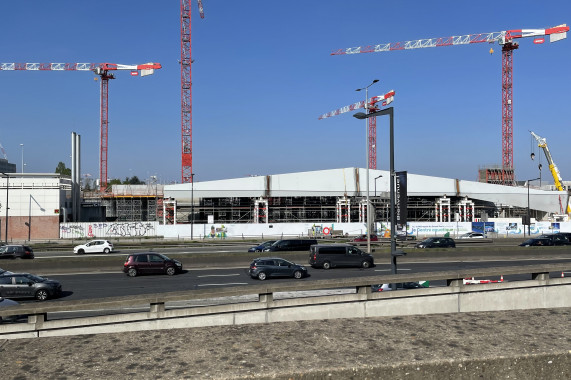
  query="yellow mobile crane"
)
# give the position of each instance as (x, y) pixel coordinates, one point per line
(542, 143)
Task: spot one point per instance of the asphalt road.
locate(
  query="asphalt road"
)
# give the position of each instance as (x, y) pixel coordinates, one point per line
(96, 279)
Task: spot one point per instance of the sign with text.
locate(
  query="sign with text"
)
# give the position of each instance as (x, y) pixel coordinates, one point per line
(401, 201)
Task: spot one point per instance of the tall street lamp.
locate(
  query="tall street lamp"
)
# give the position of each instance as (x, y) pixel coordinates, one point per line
(22, 145)
(394, 253)
(6, 228)
(528, 215)
(191, 206)
(367, 156)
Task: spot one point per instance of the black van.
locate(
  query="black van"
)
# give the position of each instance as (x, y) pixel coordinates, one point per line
(339, 255)
(291, 245)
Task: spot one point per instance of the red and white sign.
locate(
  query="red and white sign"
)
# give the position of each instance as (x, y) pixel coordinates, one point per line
(539, 40)
(134, 73)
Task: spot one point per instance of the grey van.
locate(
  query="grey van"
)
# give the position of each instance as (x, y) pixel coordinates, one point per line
(339, 255)
(291, 245)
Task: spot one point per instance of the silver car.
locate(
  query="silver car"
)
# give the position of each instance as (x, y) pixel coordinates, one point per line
(26, 285)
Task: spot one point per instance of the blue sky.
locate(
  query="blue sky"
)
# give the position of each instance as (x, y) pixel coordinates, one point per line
(263, 74)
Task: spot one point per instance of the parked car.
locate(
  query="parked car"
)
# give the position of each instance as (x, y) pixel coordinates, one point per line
(5, 302)
(261, 247)
(472, 235)
(557, 239)
(437, 242)
(15, 250)
(26, 285)
(339, 255)
(537, 242)
(3, 271)
(291, 245)
(150, 262)
(364, 238)
(265, 267)
(94, 246)
(404, 285)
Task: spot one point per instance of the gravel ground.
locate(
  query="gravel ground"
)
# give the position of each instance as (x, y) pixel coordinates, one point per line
(485, 345)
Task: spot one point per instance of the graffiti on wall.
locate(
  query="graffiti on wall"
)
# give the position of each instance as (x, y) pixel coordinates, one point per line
(100, 230)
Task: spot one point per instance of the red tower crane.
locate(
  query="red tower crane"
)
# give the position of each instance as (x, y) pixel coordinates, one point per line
(504, 38)
(186, 87)
(370, 105)
(104, 70)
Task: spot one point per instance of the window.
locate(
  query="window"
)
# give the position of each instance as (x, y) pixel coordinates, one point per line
(21, 280)
(141, 259)
(354, 251)
(155, 259)
(5, 280)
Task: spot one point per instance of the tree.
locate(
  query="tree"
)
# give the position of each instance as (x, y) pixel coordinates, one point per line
(134, 180)
(61, 169)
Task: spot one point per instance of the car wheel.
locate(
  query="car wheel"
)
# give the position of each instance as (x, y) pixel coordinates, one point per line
(132, 272)
(258, 250)
(366, 264)
(106, 250)
(80, 252)
(171, 271)
(42, 295)
(326, 265)
(297, 274)
(262, 276)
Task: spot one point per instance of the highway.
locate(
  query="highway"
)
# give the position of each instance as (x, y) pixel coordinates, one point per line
(207, 266)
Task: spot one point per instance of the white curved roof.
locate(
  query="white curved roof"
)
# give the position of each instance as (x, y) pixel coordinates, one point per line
(353, 182)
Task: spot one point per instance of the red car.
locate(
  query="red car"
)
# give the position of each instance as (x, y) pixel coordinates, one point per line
(364, 238)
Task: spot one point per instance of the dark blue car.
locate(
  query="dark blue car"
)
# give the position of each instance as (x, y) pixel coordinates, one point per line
(261, 247)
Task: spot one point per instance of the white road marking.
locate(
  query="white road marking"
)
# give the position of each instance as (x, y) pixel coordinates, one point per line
(219, 275)
(388, 270)
(229, 283)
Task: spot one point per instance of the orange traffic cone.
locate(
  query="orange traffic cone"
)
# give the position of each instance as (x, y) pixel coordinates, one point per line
(502, 278)
(562, 274)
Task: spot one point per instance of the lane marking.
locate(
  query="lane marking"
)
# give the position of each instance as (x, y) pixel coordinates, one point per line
(388, 270)
(219, 275)
(230, 283)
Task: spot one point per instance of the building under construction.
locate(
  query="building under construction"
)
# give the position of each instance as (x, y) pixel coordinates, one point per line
(336, 195)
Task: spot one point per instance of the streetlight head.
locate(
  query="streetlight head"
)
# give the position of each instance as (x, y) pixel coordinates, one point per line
(359, 89)
(375, 81)
(360, 115)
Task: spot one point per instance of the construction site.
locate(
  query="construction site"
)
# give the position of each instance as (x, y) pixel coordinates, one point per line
(335, 195)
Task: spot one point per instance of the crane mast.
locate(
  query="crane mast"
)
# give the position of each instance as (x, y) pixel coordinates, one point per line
(504, 38)
(186, 87)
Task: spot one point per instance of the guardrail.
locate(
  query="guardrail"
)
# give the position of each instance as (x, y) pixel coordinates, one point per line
(269, 304)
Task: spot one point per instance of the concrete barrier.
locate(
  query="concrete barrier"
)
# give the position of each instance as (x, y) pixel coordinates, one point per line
(159, 312)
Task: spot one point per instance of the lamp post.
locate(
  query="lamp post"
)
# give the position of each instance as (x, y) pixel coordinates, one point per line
(6, 227)
(191, 205)
(394, 253)
(22, 145)
(367, 157)
(528, 215)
